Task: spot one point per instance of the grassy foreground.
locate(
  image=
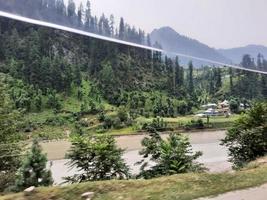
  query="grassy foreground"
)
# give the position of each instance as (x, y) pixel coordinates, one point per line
(182, 187)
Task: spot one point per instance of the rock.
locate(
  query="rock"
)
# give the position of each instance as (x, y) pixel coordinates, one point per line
(87, 195)
(30, 189)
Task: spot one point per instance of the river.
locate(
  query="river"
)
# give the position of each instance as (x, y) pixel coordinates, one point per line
(214, 155)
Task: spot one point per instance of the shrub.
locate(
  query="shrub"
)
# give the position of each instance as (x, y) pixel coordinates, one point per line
(33, 171)
(194, 124)
(117, 124)
(234, 106)
(55, 121)
(122, 115)
(171, 156)
(182, 108)
(157, 124)
(247, 139)
(96, 158)
(101, 117)
(108, 122)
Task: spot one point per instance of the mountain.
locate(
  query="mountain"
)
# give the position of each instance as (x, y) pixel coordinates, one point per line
(236, 54)
(172, 41)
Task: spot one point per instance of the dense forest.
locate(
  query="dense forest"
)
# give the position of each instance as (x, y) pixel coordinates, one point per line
(77, 16)
(45, 69)
(49, 62)
(46, 66)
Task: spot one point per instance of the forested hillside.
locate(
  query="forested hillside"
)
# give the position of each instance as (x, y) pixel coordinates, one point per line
(77, 16)
(44, 67)
(51, 69)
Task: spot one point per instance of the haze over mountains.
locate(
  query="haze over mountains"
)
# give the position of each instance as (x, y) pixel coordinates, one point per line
(172, 41)
(235, 54)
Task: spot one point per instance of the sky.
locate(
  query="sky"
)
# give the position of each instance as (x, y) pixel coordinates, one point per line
(217, 23)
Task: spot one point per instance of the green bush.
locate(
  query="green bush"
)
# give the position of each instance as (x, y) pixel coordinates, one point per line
(96, 158)
(247, 139)
(171, 156)
(108, 122)
(122, 115)
(157, 124)
(33, 170)
(194, 124)
(234, 106)
(7, 181)
(117, 123)
(101, 117)
(55, 121)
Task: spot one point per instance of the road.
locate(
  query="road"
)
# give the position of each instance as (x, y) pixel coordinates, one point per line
(258, 193)
(214, 155)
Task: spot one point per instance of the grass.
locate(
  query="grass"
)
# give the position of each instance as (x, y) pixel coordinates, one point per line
(48, 132)
(179, 122)
(51, 132)
(124, 131)
(185, 119)
(40, 117)
(182, 187)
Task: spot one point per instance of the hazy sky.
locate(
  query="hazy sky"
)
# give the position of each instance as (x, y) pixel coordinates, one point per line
(218, 23)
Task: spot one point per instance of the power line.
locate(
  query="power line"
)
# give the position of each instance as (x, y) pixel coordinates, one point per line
(96, 36)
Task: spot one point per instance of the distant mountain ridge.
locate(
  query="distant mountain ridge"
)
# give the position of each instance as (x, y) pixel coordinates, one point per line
(235, 54)
(172, 41)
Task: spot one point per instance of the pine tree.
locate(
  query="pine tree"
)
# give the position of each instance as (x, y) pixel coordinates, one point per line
(61, 8)
(98, 158)
(10, 146)
(148, 40)
(190, 79)
(264, 85)
(71, 11)
(88, 16)
(231, 80)
(38, 102)
(171, 156)
(259, 60)
(33, 171)
(122, 30)
(112, 24)
(218, 77)
(80, 15)
(178, 72)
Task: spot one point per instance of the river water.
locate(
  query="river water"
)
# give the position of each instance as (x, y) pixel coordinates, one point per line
(214, 155)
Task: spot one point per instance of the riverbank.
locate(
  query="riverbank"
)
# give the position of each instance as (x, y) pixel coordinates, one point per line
(183, 187)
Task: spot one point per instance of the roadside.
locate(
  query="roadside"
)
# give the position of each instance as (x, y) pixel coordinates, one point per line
(258, 193)
(183, 187)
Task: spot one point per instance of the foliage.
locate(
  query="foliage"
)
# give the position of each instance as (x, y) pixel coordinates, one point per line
(183, 186)
(234, 106)
(10, 145)
(194, 124)
(96, 158)
(33, 171)
(123, 115)
(247, 139)
(171, 156)
(157, 124)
